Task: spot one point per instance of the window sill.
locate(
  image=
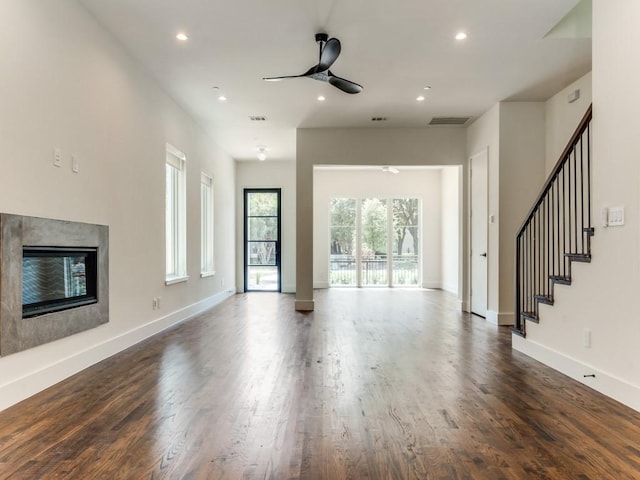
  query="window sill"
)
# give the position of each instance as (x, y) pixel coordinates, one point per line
(207, 274)
(174, 280)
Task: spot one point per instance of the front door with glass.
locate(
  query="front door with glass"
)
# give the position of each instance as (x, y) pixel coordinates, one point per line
(262, 240)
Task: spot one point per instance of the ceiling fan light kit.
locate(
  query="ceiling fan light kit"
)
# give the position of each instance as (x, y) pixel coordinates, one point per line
(329, 51)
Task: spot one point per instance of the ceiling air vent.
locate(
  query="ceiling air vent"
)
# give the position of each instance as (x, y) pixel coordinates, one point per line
(379, 119)
(258, 118)
(449, 120)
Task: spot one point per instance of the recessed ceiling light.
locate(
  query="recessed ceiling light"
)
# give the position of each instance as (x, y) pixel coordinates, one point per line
(262, 152)
(183, 37)
(461, 36)
(420, 98)
(321, 98)
(222, 98)
(428, 87)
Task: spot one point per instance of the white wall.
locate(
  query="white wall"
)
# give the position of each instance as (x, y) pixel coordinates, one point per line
(64, 82)
(269, 174)
(602, 295)
(423, 184)
(359, 146)
(451, 253)
(562, 118)
(522, 157)
(514, 135)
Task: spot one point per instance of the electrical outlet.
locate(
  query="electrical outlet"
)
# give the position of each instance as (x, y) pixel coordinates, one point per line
(75, 163)
(154, 303)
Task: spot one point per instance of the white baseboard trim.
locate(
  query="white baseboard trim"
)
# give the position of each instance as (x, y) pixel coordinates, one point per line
(317, 285)
(432, 285)
(288, 289)
(464, 306)
(498, 318)
(609, 385)
(450, 287)
(19, 389)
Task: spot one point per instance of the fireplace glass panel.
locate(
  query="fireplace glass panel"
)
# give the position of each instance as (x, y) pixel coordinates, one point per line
(56, 279)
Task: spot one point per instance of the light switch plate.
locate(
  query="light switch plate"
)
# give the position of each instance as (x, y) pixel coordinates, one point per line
(616, 216)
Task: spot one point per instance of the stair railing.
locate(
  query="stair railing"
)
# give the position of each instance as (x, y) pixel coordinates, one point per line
(557, 229)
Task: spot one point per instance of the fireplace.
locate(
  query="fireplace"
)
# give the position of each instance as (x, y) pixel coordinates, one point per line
(54, 280)
(57, 278)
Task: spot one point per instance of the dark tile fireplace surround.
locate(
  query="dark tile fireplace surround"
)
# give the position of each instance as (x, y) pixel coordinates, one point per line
(54, 280)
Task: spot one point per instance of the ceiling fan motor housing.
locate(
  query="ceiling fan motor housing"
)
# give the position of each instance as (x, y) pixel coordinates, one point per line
(321, 37)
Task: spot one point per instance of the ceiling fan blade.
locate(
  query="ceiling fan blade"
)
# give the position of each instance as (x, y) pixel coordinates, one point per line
(343, 84)
(329, 54)
(277, 79)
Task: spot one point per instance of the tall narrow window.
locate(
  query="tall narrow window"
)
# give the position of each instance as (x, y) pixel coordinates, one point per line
(176, 216)
(206, 226)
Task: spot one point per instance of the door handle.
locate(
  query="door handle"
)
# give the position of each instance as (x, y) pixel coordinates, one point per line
(484, 255)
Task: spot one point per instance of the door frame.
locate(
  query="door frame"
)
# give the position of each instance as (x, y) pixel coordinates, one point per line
(245, 240)
(485, 214)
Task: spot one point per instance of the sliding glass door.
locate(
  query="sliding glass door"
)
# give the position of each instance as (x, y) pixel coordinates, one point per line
(406, 241)
(374, 235)
(343, 234)
(366, 233)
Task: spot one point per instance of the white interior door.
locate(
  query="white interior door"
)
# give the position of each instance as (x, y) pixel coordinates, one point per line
(479, 222)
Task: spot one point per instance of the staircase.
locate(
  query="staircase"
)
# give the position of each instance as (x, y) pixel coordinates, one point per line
(557, 231)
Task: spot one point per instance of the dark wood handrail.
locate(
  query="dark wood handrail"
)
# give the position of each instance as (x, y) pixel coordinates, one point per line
(558, 168)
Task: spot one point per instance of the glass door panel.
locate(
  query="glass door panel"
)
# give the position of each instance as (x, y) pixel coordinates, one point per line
(373, 242)
(262, 240)
(406, 240)
(342, 260)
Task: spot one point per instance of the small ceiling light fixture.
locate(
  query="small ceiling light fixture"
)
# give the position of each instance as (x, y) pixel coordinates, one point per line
(420, 98)
(388, 169)
(183, 37)
(461, 36)
(321, 98)
(428, 87)
(262, 153)
(222, 98)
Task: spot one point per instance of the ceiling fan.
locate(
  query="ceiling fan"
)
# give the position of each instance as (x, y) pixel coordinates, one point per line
(329, 51)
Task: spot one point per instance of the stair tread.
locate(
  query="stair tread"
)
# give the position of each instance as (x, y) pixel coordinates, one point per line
(579, 257)
(517, 332)
(561, 279)
(533, 316)
(546, 299)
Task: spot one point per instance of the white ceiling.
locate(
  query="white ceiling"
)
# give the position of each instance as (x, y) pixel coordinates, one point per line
(392, 48)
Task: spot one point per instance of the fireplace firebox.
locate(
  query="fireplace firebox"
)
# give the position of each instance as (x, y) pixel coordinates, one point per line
(57, 278)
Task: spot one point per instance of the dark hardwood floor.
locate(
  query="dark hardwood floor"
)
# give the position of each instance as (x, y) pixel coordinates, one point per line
(376, 384)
